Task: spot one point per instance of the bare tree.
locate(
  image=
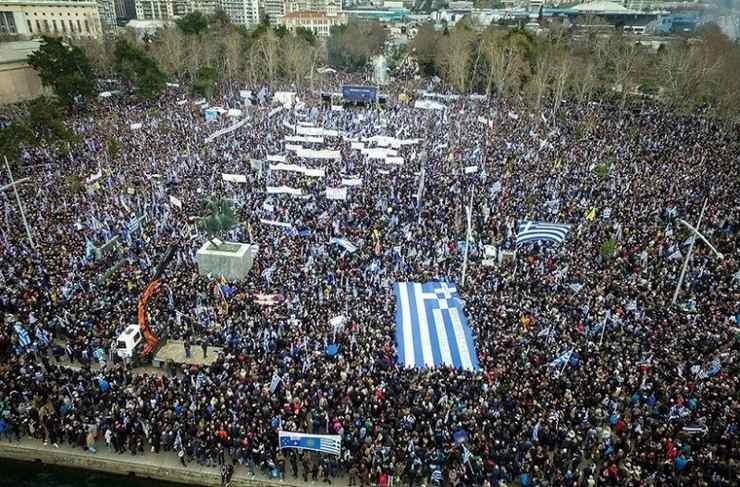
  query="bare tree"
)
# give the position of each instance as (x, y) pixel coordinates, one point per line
(267, 52)
(506, 58)
(455, 57)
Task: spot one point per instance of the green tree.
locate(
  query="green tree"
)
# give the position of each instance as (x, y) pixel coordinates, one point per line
(305, 34)
(45, 117)
(205, 80)
(194, 23)
(220, 19)
(351, 46)
(12, 138)
(64, 68)
(608, 249)
(424, 48)
(139, 69)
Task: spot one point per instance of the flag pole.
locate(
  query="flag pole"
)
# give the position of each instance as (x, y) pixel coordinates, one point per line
(467, 237)
(688, 256)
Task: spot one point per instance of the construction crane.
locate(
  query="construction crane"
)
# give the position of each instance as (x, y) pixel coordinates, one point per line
(150, 290)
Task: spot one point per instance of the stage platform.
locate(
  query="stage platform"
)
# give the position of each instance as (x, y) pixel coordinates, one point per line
(174, 350)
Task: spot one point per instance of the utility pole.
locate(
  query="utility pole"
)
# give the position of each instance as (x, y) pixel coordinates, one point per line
(18, 200)
(688, 255)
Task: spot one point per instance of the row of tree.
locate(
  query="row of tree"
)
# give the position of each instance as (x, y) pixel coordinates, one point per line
(510, 63)
(685, 74)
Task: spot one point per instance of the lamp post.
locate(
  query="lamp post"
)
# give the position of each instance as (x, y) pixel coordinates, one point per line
(688, 256)
(14, 185)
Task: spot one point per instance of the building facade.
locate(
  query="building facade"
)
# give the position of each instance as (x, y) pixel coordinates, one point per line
(64, 18)
(125, 9)
(107, 14)
(274, 9)
(155, 9)
(318, 22)
(242, 12)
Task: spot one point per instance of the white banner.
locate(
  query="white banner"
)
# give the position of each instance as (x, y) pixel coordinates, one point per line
(351, 181)
(336, 193)
(293, 147)
(175, 202)
(319, 154)
(276, 158)
(314, 173)
(357, 145)
(135, 126)
(394, 160)
(317, 131)
(234, 178)
(276, 223)
(284, 190)
(429, 105)
(471, 169)
(226, 130)
(94, 177)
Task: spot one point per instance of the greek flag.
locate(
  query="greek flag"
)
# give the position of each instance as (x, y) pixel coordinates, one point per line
(322, 443)
(23, 337)
(562, 358)
(713, 369)
(431, 327)
(274, 383)
(530, 231)
(42, 336)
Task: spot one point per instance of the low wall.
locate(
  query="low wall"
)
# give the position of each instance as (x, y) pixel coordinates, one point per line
(18, 82)
(160, 467)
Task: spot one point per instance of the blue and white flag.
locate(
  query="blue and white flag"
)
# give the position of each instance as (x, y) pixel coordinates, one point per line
(530, 231)
(23, 339)
(103, 384)
(322, 443)
(346, 244)
(431, 327)
(562, 359)
(274, 383)
(42, 336)
(199, 380)
(712, 370)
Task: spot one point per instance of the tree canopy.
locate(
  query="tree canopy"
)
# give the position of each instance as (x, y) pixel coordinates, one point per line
(66, 69)
(194, 23)
(132, 63)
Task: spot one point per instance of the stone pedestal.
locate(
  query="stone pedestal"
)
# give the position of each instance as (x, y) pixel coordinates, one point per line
(231, 260)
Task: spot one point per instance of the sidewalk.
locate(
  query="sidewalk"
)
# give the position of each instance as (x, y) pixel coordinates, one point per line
(162, 466)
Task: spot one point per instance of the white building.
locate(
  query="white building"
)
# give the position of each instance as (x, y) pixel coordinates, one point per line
(275, 9)
(318, 22)
(242, 12)
(155, 9)
(107, 14)
(64, 18)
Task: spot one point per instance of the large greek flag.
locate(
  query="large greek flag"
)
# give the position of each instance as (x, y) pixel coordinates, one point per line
(431, 327)
(323, 443)
(23, 339)
(530, 231)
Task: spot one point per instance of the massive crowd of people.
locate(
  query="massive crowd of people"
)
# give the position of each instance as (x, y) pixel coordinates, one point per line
(649, 395)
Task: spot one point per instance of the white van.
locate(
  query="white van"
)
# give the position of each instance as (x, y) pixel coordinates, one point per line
(128, 341)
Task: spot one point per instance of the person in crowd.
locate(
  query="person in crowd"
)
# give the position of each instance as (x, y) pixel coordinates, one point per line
(647, 397)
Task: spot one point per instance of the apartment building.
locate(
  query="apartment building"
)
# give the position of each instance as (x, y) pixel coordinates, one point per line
(242, 12)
